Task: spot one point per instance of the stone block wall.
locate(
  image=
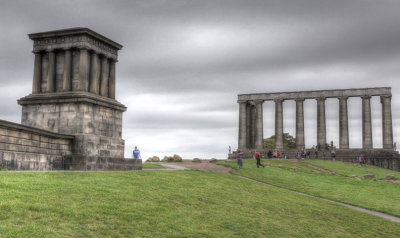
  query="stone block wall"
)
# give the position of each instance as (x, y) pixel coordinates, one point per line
(87, 163)
(27, 148)
(97, 129)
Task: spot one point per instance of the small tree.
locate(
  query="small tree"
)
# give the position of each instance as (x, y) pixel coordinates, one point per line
(289, 142)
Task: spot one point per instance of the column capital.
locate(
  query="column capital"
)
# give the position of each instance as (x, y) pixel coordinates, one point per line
(320, 98)
(343, 98)
(279, 100)
(366, 97)
(300, 99)
(385, 97)
(258, 101)
(82, 48)
(242, 101)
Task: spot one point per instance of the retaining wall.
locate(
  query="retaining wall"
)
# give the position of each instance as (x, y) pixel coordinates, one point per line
(28, 148)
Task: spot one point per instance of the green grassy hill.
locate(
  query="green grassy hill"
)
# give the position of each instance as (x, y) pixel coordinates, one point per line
(172, 204)
(375, 195)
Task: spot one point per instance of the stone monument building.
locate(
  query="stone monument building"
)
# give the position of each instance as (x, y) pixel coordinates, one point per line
(251, 124)
(73, 95)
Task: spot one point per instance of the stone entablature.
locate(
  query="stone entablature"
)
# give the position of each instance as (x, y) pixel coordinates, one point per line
(75, 38)
(251, 117)
(318, 94)
(29, 148)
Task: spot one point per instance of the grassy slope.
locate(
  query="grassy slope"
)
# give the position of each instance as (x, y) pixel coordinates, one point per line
(374, 195)
(169, 204)
(347, 169)
(152, 166)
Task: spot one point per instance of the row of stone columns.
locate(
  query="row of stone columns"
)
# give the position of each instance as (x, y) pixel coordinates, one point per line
(96, 74)
(251, 123)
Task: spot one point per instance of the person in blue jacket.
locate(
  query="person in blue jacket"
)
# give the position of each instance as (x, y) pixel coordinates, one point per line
(136, 153)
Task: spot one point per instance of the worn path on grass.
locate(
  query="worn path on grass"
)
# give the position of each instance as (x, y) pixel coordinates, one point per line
(206, 166)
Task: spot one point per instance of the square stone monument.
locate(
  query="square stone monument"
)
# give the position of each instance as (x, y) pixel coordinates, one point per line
(74, 91)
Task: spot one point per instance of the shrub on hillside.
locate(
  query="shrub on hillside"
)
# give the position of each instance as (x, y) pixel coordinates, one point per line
(196, 160)
(168, 159)
(177, 158)
(153, 159)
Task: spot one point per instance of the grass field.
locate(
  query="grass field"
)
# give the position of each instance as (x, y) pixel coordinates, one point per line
(374, 195)
(152, 166)
(169, 204)
(347, 169)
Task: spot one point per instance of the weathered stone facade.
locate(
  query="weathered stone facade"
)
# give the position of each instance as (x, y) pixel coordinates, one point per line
(73, 94)
(27, 148)
(97, 128)
(251, 121)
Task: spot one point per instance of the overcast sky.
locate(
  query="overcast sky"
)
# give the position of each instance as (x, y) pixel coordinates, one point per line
(184, 62)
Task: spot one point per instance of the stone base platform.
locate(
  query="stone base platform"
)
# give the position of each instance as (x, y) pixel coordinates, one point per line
(100, 163)
(384, 158)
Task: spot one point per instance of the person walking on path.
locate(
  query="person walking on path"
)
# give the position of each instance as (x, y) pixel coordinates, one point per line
(136, 153)
(258, 158)
(239, 157)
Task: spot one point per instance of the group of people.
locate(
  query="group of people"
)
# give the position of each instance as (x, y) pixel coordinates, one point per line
(277, 154)
(360, 160)
(256, 155)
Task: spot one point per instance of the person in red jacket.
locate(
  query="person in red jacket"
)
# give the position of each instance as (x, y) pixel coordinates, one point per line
(258, 158)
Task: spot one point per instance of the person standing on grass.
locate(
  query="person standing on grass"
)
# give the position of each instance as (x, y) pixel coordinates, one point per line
(258, 158)
(359, 159)
(136, 153)
(239, 157)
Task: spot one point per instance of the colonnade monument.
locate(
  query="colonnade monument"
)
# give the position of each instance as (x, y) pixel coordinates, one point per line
(71, 120)
(251, 124)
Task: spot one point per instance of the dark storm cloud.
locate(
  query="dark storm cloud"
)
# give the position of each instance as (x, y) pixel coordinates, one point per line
(184, 62)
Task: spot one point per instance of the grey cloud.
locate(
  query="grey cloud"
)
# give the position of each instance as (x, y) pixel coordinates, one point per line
(194, 57)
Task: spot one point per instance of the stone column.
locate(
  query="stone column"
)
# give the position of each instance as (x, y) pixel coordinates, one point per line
(321, 123)
(343, 124)
(253, 125)
(37, 73)
(242, 125)
(94, 73)
(387, 128)
(249, 126)
(104, 77)
(259, 138)
(83, 70)
(366, 122)
(67, 80)
(51, 72)
(111, 80)
(278, 124)
(300, 141)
